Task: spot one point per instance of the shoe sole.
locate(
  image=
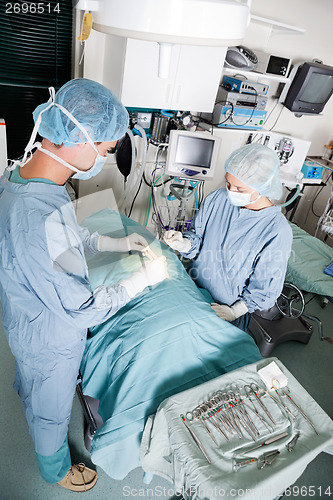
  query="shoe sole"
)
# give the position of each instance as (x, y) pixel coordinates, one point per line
(79, 489)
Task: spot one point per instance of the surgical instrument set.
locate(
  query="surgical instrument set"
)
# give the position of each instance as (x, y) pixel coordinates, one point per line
(227, 413)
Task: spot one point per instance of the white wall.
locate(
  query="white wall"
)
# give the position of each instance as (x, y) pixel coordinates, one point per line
(315, 43)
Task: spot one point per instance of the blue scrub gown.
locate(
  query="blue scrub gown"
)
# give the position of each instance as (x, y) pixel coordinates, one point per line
(47, 307)
(240, 254)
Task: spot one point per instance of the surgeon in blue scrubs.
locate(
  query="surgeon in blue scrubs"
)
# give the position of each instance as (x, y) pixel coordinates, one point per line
(48, 304)
(240, 241)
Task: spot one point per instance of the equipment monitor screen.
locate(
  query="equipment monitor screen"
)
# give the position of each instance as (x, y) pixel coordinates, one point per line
(194, 151)
(192, 155)
(318, 88)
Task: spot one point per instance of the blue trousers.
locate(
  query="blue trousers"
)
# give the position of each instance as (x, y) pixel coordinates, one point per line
(55, 467)
(242, 322)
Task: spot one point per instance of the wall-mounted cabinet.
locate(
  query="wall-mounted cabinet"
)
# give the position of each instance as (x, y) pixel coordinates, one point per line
(129, 68)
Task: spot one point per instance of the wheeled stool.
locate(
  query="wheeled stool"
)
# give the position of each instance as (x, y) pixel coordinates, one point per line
(282, 322)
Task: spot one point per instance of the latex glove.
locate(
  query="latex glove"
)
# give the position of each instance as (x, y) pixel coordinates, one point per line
(132, 242)
(150, 273)
(176, 241)
(230, 313)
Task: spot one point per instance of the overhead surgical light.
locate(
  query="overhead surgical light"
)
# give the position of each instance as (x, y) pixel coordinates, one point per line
(189, 22)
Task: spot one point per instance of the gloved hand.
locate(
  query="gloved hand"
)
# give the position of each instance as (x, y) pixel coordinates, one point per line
(230, 313)
(150, 273)
(176, 241)
(132, 242)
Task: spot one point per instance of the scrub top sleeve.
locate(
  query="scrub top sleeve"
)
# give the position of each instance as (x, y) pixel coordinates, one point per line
(266, 282)
(89, 241)
(199, 223)
(64, 284)
(102, 303)
(196, 231)
(70, 297)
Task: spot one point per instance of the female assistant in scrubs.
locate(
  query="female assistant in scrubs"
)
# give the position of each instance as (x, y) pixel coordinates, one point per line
(48, 304)
(240, 241)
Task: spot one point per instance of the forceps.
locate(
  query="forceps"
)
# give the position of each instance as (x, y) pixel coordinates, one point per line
(196, 439)
(252, 408)
(254, 389)
(255, 411)
(242, 415)
(300, 410)
(198, 414)
(213, 415)
(281, 402)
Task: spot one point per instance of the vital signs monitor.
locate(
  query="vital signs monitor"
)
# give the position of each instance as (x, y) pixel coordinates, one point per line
(192, 155)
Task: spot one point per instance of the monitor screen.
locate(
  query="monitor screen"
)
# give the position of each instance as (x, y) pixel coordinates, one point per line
(310, 88)
(194, 151)
(192, 154)
(317, 89)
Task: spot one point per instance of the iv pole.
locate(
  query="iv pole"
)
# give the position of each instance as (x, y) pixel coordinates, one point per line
(182, 192)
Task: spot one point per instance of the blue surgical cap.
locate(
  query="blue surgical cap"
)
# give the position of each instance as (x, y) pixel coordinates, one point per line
(258, 167)
(94, 106)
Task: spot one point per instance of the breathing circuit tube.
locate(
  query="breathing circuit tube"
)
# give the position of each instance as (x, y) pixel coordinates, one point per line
(293, 198)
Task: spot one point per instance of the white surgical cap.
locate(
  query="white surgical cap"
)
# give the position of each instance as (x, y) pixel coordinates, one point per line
(258, 167)
(94, 106)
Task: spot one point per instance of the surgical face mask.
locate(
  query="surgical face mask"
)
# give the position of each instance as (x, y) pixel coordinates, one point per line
(80, 174)
(94, 170)
(240, 199)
